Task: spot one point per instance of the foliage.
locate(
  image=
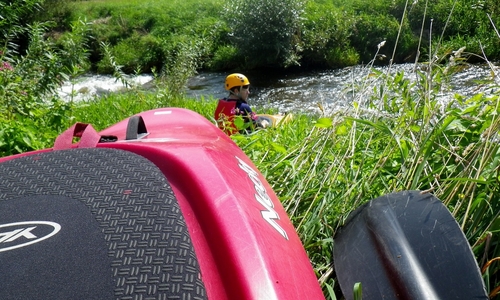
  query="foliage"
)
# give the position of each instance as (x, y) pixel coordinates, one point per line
(266, 32)
(397, 136)
(445, 21)
(252, 34)
(184, 54)
(15, 13)
(156, 37)
(136, 53)
(370, 31)
(326, 36)
(118, 106)
(30, 76)
(26, 80)
(60, 12)
(36, 130)
(226, 58)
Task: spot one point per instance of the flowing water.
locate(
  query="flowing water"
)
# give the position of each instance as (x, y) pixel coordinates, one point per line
(333, 89)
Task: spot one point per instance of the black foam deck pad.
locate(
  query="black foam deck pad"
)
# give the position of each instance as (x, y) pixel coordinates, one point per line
(92, 224)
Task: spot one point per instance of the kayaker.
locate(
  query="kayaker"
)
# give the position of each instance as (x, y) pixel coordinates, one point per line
(238, 86)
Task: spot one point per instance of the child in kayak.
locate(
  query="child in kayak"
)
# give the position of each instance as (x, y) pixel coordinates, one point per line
(236, 103)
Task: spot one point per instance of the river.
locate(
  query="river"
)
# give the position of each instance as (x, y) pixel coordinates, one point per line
(298, 91)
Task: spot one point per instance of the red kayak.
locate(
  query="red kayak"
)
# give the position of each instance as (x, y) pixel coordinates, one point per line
(162, 205)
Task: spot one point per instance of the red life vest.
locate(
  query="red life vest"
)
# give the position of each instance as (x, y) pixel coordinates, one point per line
(224, 116)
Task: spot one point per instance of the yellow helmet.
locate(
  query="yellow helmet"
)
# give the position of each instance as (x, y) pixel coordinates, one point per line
(236, 79)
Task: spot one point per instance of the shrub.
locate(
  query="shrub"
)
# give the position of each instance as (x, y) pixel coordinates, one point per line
(188, 51)
(266, 32)
(225, 58)
(16, 13)
(58, 11)
(370, 31)
(183, 54)
(30, 74)
(342, 57)
(464, 21)
(326, 36)
(138, 52)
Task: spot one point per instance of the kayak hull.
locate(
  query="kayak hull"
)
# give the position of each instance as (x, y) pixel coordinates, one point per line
(216, 183)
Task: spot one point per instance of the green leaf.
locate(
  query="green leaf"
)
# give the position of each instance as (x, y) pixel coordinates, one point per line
(27, 141)
(331, 292)
(405, 148)
(324, 123)
(358, 293)
(238, 121)
(278, 148)
(415, 128)
(342, 130)
(456, 125)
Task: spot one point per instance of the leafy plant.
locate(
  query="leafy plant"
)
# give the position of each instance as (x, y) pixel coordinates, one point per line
(326, 34)
(225, 58)
(397, 134)
(137, 52)
(14, 13)
(266, 32)
(29, 76)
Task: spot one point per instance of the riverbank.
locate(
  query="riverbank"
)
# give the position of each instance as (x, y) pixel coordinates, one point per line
(160, 35)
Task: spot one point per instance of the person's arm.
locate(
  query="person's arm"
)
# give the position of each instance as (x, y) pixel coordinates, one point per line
(246, 111)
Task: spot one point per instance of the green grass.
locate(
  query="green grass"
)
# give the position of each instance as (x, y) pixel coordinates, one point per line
(173, 5)
(400, 139)
(137, 13)
(116, 107)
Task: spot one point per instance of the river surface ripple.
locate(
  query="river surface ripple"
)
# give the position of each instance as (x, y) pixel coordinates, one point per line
(288, 92)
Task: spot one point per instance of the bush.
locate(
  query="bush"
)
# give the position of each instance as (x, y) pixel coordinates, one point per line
(342, 57)
(36, 130)
(465, 23)
(30, 74)
(27, 80)
(58, 11)
(15, 13)
(370, 31)
(138, 52)
(183, 55)
(138, 36)
(266, 32)
(225, 58)
(326, 37)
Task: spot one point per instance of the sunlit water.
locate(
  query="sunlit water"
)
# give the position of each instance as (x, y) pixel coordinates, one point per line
(89, 86)
(333, 89)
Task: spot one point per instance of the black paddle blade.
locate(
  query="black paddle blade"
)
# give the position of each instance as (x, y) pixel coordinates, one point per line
(406, 245)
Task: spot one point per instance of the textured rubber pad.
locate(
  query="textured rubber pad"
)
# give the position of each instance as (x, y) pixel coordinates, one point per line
(92, 224)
